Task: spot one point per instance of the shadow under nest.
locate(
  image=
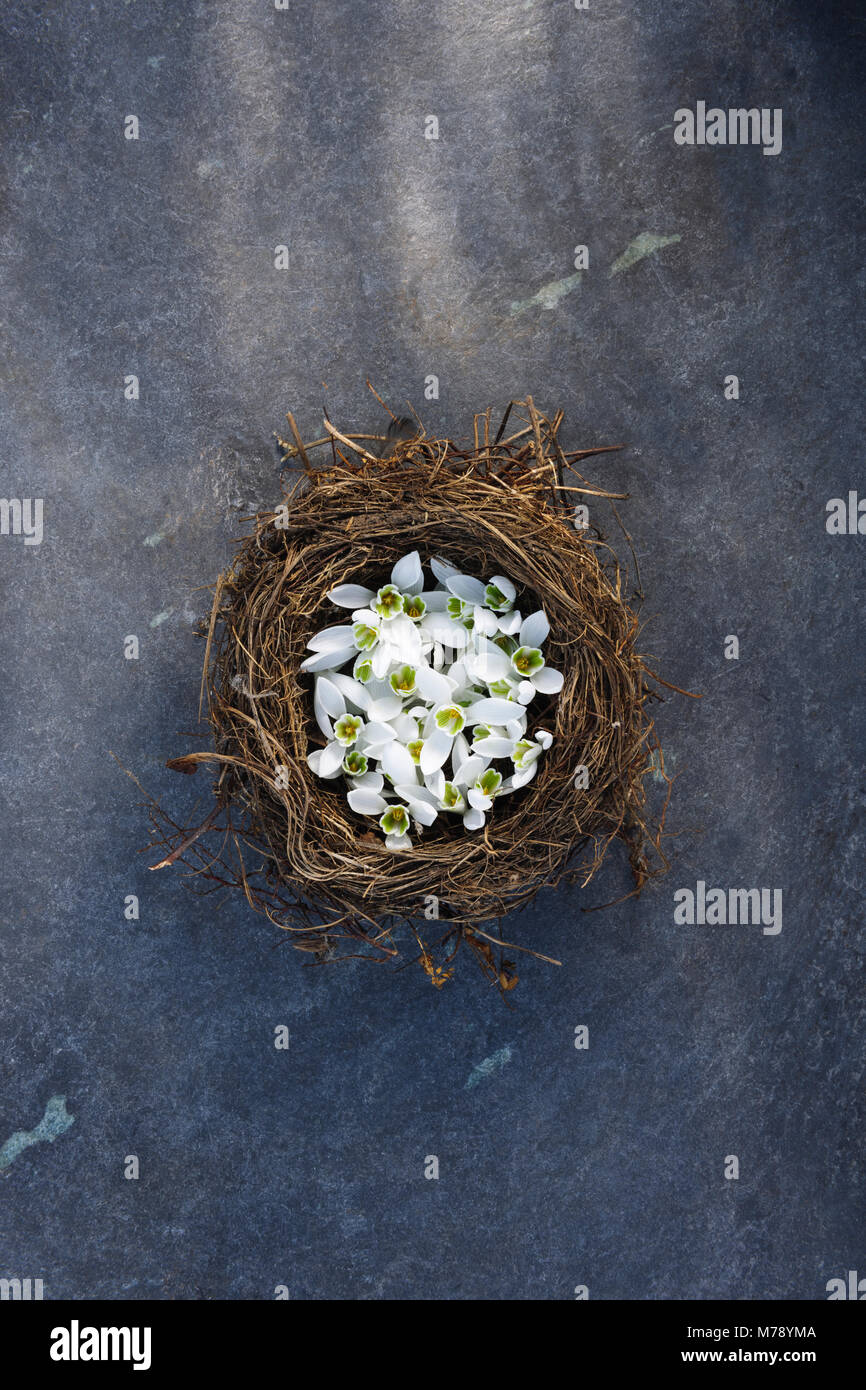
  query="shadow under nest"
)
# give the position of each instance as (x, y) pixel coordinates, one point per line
(289, 841)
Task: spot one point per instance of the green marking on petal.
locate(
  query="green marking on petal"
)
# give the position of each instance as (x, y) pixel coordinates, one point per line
(450, 718)
(355, 763)
(347, 729)
(365, 637)
(526, 660)
(490, 782)
(389, 602)
(496, 600)
(402, 681)
(415, 608)
(525, 753)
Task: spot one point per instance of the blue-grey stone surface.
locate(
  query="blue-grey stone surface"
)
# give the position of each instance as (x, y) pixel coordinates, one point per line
(410, 257)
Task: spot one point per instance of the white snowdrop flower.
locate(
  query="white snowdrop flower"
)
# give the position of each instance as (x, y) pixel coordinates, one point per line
(423, 683)
(525, 754)
(499, 594)
(389, 603)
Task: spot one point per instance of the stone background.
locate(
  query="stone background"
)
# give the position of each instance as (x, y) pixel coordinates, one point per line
(408, 257)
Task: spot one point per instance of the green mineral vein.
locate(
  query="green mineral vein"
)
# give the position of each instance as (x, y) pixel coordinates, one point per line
(54, 1122)
(488, 1067)
(637, 250)
(549, 295)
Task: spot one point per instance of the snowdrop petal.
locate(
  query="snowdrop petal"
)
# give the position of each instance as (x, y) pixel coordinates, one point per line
(320, 709)
(465, 587)
(374, 733)
(491, 711)
(433, 685)
(435, 783)
(484, 621)
(322, 720)
(526, 692)
(396, 762)
(330, 697)
(505, 587)
(460, 751)
(422, 806)
(407, 573)
(413, 791)
(405, 727)
(404, 634)
(377, 689)
(489, 665)
(386, 708)
(436, 600)
(544, 738)
(520, 779)
(331, 638)
(547, 681)
(494, 747)
(473, 819)
(535, 629)
(398, 842)
(509, 623)
(372, 780)
(469, 770)
(443, 569)
(478, 799)
(435, 751)
(457, 675)
(353, 691)
(381, 660)
(331, 760)
(351, 595)
(438, 627)
(366, 802)
(329, 661)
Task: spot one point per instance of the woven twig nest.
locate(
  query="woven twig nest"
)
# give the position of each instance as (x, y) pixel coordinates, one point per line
(289, 840)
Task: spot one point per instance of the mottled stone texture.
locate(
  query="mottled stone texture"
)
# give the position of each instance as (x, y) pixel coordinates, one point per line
(409, 257)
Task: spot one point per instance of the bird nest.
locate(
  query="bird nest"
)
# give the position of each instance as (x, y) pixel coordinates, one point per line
(501, 504)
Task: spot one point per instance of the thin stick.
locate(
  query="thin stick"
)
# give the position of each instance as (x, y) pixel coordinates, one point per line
(299, 443)
(189, 840)
(344, 439)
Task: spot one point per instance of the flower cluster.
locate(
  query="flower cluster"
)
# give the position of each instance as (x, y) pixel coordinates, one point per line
(424, 692)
